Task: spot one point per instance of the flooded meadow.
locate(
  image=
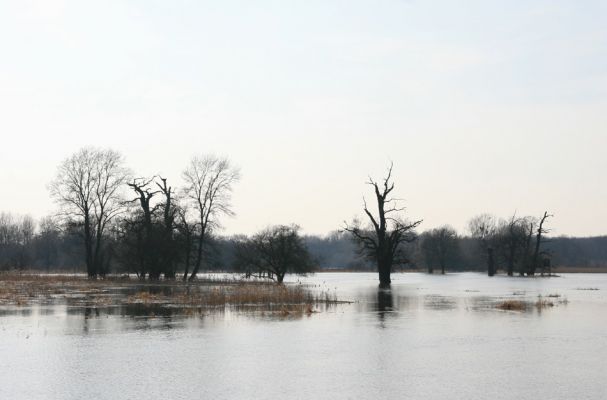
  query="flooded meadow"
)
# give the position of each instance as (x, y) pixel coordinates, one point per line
(329, 335)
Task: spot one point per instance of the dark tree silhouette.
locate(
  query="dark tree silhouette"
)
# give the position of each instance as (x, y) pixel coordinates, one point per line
(169, 246)
(510, 241)
(383, 240)
(186, 239)
(149, 232)
(209, 181)
(539, 239)
(274, 252)
(88, 190)
(440, 247)
(483, 228)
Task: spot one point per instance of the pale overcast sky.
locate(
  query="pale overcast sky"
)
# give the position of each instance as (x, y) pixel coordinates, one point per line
(483, 106)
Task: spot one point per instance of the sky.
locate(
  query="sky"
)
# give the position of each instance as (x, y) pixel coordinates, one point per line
(482, 106)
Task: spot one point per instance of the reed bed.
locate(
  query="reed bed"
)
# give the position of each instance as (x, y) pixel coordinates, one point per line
(511, 305)
(205, 293)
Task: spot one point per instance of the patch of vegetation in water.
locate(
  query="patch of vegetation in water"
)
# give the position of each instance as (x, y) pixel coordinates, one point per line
(186, 298)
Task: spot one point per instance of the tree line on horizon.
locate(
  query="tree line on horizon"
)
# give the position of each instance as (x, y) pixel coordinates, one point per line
(110, 220)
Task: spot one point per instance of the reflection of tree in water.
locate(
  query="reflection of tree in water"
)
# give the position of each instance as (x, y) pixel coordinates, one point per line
(385, 304)
(147, 316)
(89, 312)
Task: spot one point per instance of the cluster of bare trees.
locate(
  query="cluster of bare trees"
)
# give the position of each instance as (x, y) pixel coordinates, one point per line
(16, 234)
(151, 228)
(152, 231)
(385, 239)
(26, 243)
(517, 243)
(439, 247)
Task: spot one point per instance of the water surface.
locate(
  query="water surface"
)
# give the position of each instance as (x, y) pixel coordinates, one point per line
(429, 337)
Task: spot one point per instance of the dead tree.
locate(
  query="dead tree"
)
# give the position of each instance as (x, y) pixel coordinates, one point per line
(530, 229)
(209, 183)
(146, 231)
(153, 227)
(169, 211)
(541, 230)
(382, 242)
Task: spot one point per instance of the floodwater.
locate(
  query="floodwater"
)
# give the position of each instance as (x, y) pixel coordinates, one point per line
(429, 337)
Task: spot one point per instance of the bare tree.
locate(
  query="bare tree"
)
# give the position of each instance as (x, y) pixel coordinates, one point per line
(483, 228)
(440, 246)
(88, 189)
(274, 251)
(383, 240)
(539, 239)
(510, 241)
(209, 183)
(169, 213)
(186, 237)
(16, 235)
(48, 238)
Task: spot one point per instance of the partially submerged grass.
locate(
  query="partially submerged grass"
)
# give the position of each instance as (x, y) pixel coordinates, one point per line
(511, 305)
(551, 301)
(215, 293)
(540, 304)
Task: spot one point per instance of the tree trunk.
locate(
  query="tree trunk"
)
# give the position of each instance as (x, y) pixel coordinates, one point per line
(490, 263)
(88, 245)
(187, 264)
(198, 257)
(384, 274)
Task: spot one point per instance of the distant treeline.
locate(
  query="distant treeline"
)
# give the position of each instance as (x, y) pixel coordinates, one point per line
(110, 220)
(47, 246)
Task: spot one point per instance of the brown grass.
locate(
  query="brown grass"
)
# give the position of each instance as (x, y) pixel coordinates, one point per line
(25, 289)
(512, 305)
(542, 303)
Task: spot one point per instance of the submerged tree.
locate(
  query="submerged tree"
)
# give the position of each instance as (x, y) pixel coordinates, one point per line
(209, 183)
(510, 242)
(274, 252)
(88, 189)
(483, 228)
(149, 246)
(539, 240)
(382, 241)
(440, 247)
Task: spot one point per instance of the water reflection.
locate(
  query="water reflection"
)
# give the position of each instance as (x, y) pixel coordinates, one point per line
(384, 305)
(445, 327)
(437, 302)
